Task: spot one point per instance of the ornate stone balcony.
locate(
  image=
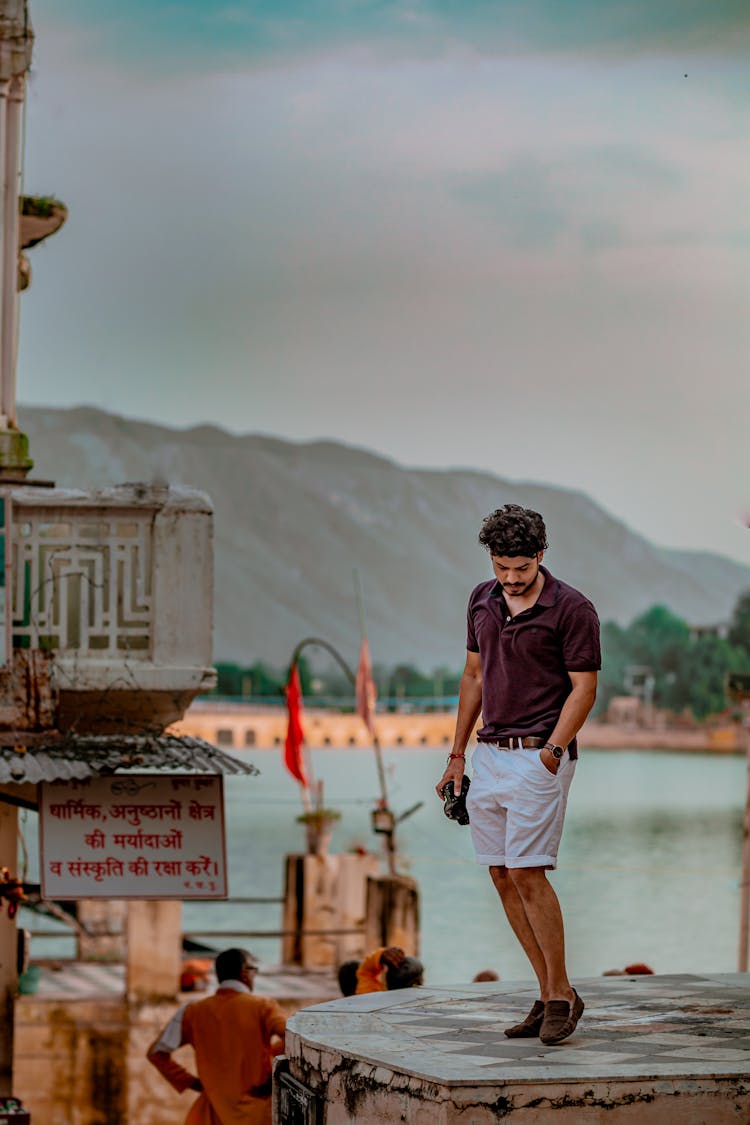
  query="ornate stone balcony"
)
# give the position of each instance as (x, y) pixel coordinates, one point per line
(111, 593)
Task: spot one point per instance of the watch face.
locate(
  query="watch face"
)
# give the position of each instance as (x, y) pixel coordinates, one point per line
(557, 751)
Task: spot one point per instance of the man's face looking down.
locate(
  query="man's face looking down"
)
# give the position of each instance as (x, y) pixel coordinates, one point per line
(516, 574)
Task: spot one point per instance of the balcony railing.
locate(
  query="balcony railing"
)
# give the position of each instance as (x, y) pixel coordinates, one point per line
(116, 586)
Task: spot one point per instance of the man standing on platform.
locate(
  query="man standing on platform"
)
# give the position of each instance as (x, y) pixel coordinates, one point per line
(531, 669)
(235, 1036)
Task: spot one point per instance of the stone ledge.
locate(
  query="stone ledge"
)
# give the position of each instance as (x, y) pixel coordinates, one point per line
(660, 1048)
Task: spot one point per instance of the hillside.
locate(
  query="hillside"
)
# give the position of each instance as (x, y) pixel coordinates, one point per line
(293, 521)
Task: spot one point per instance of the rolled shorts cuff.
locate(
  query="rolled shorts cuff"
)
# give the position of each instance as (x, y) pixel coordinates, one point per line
(517, 861)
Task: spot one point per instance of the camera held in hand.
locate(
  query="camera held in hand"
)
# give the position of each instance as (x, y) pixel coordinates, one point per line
(455, 806)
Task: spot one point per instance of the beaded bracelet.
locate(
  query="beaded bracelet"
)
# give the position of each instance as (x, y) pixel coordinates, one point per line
(456, 756)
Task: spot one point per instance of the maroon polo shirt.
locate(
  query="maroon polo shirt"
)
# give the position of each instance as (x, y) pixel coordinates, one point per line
(526, 659)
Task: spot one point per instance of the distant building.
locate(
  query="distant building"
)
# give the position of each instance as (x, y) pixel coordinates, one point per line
(719, 630)
(625, 711)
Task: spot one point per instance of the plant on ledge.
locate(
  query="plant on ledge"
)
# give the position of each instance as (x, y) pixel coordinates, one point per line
(40, 216)
(319, 817)
(318, 824)
(41, 205)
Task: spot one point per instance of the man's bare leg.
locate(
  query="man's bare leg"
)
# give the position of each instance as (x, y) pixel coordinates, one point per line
(544, 917)
(515, 912)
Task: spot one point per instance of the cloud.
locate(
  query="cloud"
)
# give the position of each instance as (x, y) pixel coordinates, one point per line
(582, 195)
(196, 35)
(521, 198)
(412, 245)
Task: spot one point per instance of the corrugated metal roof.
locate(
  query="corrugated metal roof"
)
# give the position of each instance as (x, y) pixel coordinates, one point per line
(58, 757)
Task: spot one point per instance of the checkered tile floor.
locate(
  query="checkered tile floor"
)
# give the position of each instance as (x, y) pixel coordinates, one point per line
(659, 1025)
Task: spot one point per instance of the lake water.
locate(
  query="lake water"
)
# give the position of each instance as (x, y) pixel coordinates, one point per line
(648, 870)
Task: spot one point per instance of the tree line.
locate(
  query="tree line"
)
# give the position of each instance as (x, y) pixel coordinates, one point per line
(657, 656)
(678, 667)
(402, 681)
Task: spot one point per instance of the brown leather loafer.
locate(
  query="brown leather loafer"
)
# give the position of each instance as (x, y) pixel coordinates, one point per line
(528, 1028)
(560, 1019)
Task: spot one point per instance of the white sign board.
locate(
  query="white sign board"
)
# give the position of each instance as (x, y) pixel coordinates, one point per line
(136, 836)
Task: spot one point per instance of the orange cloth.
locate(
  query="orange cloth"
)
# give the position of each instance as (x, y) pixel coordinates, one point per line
(231, 1035)
(371, 973)
(195, 975)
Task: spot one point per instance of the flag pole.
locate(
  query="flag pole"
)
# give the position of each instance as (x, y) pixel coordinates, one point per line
(386, 816)
(375, 739)
(382, 817)
(744, 942)
(305, 790)
(737, 688)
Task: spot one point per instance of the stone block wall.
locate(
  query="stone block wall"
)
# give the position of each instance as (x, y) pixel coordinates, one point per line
(68, 1060)
(83, 1062)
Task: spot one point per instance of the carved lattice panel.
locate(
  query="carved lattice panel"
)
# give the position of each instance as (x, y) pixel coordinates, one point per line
(82, 583)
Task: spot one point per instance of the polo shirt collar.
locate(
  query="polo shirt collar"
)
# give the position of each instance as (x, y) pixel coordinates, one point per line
(548, 596)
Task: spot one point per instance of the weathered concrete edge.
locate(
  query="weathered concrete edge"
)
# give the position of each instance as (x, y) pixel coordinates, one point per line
(359, 1082)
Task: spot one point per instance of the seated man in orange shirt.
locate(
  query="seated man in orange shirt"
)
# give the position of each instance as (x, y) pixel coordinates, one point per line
(235, 1036)
(388, 968)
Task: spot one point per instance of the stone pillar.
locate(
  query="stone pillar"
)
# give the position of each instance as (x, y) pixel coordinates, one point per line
(325, 892)
(8, 949)
(14, 96)
(393, 913)
(154, 950)
(16, 40)
(104, 919)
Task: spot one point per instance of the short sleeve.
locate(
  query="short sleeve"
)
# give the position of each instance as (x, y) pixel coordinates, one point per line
(581, 647)
(472, 644)
(171, 1036)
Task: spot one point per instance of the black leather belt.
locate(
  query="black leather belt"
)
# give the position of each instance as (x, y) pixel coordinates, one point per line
(526, 743)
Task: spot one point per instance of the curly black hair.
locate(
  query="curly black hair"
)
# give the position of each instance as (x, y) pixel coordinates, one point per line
(513, 531)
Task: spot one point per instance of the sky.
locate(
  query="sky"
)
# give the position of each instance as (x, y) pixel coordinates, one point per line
(510, 235)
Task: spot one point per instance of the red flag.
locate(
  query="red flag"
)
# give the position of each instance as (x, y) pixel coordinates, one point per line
(295, 736)
(365, 688)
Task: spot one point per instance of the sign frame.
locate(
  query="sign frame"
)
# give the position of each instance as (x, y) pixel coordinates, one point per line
(83, 811)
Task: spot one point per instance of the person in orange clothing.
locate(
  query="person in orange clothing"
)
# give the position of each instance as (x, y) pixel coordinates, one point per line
(388, 968)
(235, 1036)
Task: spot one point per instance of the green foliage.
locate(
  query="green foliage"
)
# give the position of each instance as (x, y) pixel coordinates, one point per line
(684, 669)
(712, 658)
(228, 679)
(406, 680)
(739, 626)
(258, 679)
(41, 205)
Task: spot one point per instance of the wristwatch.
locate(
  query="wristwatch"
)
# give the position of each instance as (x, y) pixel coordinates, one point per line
(555, 751)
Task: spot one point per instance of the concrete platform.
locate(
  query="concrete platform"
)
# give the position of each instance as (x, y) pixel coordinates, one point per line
(653, 1049)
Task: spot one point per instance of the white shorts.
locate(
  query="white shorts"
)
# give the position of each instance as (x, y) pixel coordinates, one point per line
(516, 806)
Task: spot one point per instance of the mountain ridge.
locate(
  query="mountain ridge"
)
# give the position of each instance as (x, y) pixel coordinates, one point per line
(294, 520)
